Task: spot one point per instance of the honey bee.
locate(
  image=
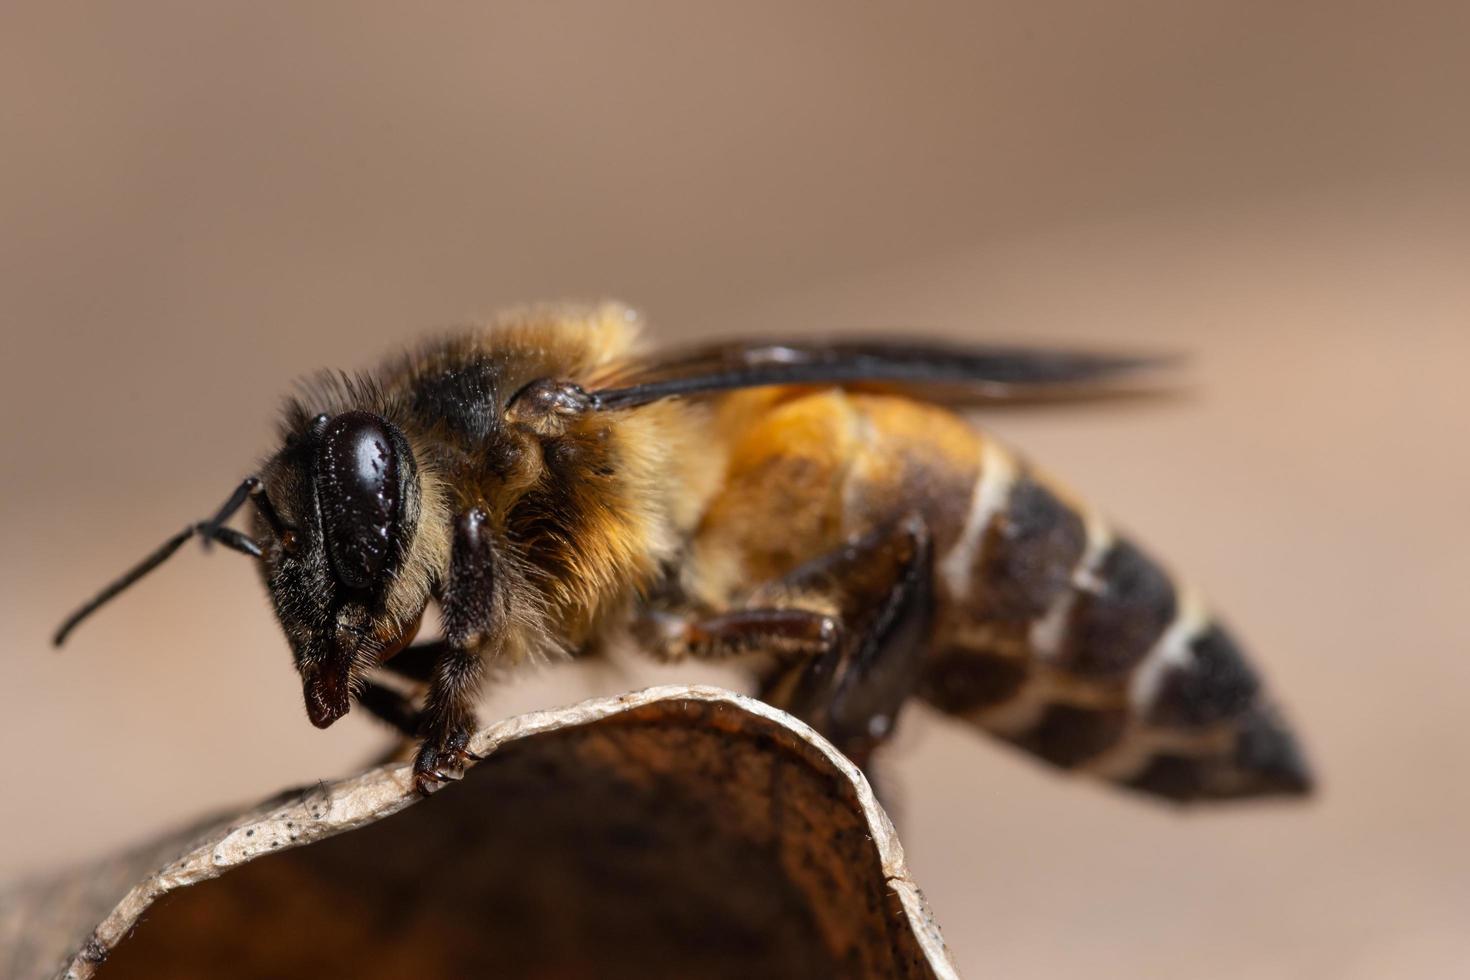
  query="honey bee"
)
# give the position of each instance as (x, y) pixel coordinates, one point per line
(821, 511)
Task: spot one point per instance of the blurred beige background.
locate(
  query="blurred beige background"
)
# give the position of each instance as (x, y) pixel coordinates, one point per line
(200, 202)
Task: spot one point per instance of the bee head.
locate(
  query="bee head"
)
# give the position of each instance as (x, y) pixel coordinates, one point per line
(337, 520)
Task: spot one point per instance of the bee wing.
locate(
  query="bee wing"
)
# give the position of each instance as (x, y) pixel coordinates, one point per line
(931, 370)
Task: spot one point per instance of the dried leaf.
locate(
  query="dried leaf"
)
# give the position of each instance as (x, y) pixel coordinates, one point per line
(681, 831)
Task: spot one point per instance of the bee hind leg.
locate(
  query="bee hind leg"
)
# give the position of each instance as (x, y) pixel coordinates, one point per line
(883, 584)
(847, 631)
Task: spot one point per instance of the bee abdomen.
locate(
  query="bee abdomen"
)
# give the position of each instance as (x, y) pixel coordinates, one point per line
(1070, 642)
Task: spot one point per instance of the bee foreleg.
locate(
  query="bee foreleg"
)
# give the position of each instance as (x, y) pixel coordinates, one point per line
(448, 717)
(469, 607)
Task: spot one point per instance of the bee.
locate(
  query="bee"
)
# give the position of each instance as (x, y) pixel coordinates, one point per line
(823, 512)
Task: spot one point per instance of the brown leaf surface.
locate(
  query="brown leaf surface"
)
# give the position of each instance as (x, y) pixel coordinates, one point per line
(678, 831)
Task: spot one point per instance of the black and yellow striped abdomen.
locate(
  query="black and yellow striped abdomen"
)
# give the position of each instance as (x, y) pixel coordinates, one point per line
(1053, 632)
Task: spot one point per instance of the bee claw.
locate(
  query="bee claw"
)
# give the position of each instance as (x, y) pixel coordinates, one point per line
(429, 783)
(441, 761)
(431, 771)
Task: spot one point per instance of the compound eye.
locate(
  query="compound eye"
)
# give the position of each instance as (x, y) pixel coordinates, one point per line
(360, 492)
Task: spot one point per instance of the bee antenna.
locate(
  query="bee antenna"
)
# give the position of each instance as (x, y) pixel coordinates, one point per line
(210, 530)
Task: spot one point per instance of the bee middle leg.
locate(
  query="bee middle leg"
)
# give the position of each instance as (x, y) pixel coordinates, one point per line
(391, 707)
(786, 633)
(416, 663)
